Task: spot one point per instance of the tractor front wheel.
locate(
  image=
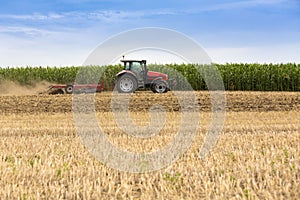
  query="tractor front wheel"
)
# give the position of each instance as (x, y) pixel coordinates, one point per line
(159, 87)
(126, 84)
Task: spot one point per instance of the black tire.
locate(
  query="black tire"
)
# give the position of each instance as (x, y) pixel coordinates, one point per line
(153, 88)
(69, 89)
(60, 91)
(159, 87)
(126, 84)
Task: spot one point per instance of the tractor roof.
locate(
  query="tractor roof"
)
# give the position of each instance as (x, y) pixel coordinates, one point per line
(142, 61)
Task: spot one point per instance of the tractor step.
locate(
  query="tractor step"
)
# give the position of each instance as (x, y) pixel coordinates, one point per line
(141, 84)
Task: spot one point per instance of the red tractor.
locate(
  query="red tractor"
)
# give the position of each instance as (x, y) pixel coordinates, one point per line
(135, 75)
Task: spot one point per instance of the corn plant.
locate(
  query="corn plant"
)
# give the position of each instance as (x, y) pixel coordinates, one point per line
(235, 76)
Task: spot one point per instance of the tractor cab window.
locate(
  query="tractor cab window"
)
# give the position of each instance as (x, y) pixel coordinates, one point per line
(127, 66)
(136, 67)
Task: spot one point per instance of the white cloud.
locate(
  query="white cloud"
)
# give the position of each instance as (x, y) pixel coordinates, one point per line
(153, 56)
(112, 15)
(258, 54)
(35, 16)
(72, 49)
(244, 4)
(54, 49)
(117, 15)
(30, 31)
(102, 15)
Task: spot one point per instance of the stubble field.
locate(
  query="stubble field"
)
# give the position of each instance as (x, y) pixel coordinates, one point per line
(257, 155)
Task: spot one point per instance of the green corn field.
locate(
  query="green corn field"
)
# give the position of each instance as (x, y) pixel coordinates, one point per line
(242, 76)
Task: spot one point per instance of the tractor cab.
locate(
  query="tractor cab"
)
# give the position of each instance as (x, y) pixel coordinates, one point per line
(138, 67)
(128, 64)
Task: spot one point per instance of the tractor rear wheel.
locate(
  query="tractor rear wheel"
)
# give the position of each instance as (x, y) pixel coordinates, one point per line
(159, 87)
(126, 84)
(69, 89)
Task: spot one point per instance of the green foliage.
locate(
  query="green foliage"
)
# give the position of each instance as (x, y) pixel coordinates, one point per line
(261, 77)
(243, 76)
(31, 75)
(175, 181)
(59, 171)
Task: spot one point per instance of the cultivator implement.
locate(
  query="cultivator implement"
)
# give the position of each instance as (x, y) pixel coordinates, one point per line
(74, 88)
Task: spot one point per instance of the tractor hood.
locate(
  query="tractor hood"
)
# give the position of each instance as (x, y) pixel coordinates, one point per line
(153, 75)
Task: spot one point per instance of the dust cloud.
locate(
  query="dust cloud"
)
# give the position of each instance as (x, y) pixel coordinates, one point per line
(8, 88)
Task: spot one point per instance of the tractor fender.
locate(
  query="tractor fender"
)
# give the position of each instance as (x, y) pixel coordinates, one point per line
(159, 79)
(125, 72)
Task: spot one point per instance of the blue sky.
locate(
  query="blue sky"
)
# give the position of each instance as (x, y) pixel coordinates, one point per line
(41, 33)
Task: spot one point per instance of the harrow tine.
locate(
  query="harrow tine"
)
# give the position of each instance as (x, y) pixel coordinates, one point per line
(48, 91)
